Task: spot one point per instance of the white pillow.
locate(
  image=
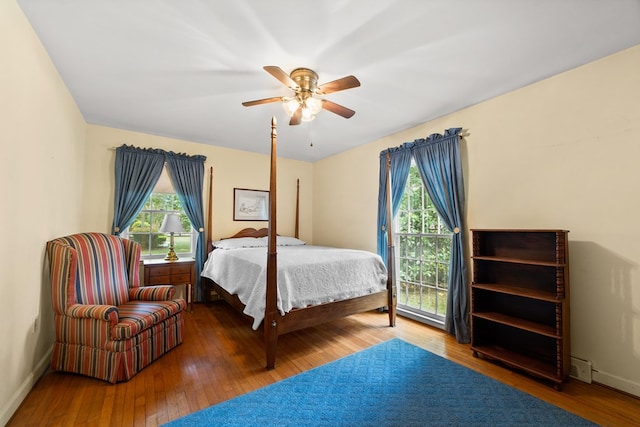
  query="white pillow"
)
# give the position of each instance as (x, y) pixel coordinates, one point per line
(286, 241)
(240, 242)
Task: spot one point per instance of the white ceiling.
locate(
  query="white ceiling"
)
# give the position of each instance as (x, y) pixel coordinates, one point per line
(181, 68)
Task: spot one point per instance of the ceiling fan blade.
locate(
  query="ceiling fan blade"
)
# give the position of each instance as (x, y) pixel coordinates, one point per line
(337, 109)
(279, 74)
(296, 119)
(262, 101)
(337, 85)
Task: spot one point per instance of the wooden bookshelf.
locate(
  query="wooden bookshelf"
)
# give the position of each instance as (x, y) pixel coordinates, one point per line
(520, 300)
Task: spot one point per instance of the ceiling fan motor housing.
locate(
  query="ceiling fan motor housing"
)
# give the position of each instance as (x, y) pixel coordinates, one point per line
(305, 78)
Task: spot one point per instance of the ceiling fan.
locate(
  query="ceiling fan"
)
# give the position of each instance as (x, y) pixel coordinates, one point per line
(305, 104)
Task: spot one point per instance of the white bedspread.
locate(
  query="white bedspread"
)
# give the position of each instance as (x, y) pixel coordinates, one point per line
(307, 275)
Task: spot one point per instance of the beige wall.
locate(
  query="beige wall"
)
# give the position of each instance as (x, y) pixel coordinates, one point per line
(346, 199)
(561, 153)
(42, 137)
(231, 169)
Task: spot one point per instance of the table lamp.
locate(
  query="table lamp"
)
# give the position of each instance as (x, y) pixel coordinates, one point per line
(171, 224)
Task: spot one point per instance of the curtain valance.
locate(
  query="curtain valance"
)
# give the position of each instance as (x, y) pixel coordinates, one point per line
(141, 151)
(434, 137)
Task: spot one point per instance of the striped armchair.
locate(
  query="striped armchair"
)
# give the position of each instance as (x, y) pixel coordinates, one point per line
(108, 326)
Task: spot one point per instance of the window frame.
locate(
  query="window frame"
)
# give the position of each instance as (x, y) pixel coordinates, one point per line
(127, 234)
(438, 232)
(163, 187)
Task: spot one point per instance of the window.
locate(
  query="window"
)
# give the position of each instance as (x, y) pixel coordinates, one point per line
(144, 228)
(423, 252)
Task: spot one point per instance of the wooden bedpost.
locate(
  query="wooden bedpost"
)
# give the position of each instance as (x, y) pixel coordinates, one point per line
(271, 309)
(391, 257)
(209, 233)
(297, 230)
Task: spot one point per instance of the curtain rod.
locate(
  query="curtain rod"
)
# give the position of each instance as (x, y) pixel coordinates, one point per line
(461, 135)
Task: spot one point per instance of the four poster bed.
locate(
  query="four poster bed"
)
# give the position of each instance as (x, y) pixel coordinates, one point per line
(312, 285)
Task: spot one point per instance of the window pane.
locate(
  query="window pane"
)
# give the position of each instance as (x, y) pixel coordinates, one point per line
(415, 226)
(428, 299)
(428, 248)
(165, 202)
(156, 221)
(412, 272)
(442, 303)
(403, 246)
(444, 249)
(428, 204)
(404, 269)
(184, 221)
(182, 243)
(143, 240)
(156, 202)
(175, 203)
(404, 202)
(432, 221)
(429, 273)
(140, 224)
(413, 296)
(159, 243)
(412, 246)
(443, 275)
(147, 205)
(426, 201)
(416, 202)
(403, 224)
(403, 293)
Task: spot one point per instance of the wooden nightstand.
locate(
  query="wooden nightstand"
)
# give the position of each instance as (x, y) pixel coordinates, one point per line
(180, 272)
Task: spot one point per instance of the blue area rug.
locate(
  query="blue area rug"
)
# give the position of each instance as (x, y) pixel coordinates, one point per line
(390, 384)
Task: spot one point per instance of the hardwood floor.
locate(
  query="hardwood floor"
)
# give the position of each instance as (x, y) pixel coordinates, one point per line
(221, 357)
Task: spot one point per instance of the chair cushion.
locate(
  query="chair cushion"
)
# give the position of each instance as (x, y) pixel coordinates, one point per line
(136, 316)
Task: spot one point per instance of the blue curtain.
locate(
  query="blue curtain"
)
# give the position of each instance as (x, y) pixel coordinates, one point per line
(438, 161)
(187, 175)
(137, 170)
(399, 170)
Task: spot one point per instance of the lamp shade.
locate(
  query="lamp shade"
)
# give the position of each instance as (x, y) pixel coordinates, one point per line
(171, 224)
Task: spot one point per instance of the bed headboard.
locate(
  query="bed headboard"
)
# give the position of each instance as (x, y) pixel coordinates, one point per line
(249, 232)
(246, 232)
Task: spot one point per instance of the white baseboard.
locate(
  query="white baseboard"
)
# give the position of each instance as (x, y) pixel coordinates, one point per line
(618, 383)
(16, 399)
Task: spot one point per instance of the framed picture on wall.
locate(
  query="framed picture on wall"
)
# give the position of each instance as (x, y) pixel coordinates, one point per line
(250, 205)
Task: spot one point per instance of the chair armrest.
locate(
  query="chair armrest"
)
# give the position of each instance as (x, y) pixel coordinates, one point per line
(152, 293)
(107, 313)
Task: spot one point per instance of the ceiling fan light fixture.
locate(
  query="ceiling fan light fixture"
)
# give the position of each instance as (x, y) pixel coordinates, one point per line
(313, 104)
(307, 115)
(290, 105)
(309, 106)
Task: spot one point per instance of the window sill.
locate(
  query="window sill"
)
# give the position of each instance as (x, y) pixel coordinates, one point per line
(436, 323)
